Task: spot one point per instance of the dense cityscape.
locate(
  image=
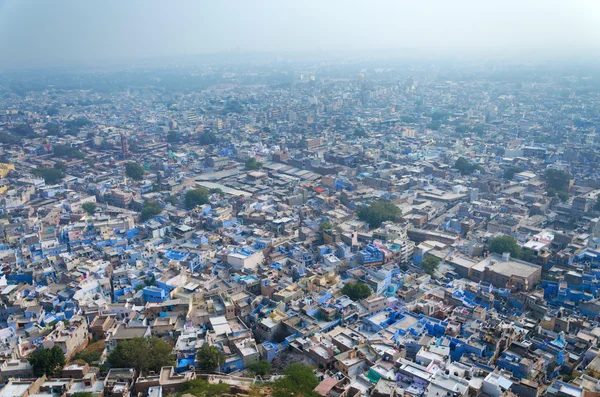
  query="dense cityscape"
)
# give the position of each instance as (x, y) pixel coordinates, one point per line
(315, 229)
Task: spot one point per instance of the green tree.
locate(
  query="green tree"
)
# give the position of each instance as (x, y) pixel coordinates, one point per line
(201, 388)
(502, 244)
(59, 165)
(430, 264)
(253, 164)
(260, 368)
(528, 255)
(68, 152)
(465, 167)
(207, 138)
(89, 207)
(233, 106)
(299, 380)
(23, 130)
(47, 361)
(510, 172)
(171, 199)
(173, 136)
(150, 209)
(83, 394)
(434, 125)
(52, 129)
(210, 358)
(52, 111)
(357, 291)
(134, 171)
(325, 226)
(51, 176)
(195, 197)
(562, 195)
(143, 354)
(378, 212)
(557, 179)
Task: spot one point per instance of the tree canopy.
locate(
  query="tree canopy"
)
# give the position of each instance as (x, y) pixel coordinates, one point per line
(47, 361)
(510, 172)
(210, 357)
(357, 291)
(134, 171)
(430, 264)
(378, 212)
(51, 176)
(465, 167)
(299, 380)
(52, 129)
(150, 209)
(260, 368)
(557, 179)
(23, 130)
(89, 207)
(173, 136)
(207, 138)
(325, 226)
(68, 152)
(502, 244)
(195, 197)
(143, 354)
(253, 164)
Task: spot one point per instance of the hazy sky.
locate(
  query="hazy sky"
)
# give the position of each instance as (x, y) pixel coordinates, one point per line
(38, 32)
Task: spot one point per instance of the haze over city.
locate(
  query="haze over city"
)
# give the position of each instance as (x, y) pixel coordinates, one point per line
(64, 32)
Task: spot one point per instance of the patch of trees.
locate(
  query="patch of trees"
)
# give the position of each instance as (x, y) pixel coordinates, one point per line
(73, 127)
(299, 380)
(143, 354)
(510, 172)
(233, 106)
(207, 138)
(9, 139)
(434, 125)
(210, 358)
(23, 130)
(557, 183)
(149, 210)
(68, 152)
(51, 176)
(253, 164)
(260, 368)
(465, 167)
(430, 264)
(195, 197)
(325, 226)
(357, 291)
(502, 244)
(89, 207)
(173, 137)
(134, 171)
(378, 212)
(47, 361)
(52, 129)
